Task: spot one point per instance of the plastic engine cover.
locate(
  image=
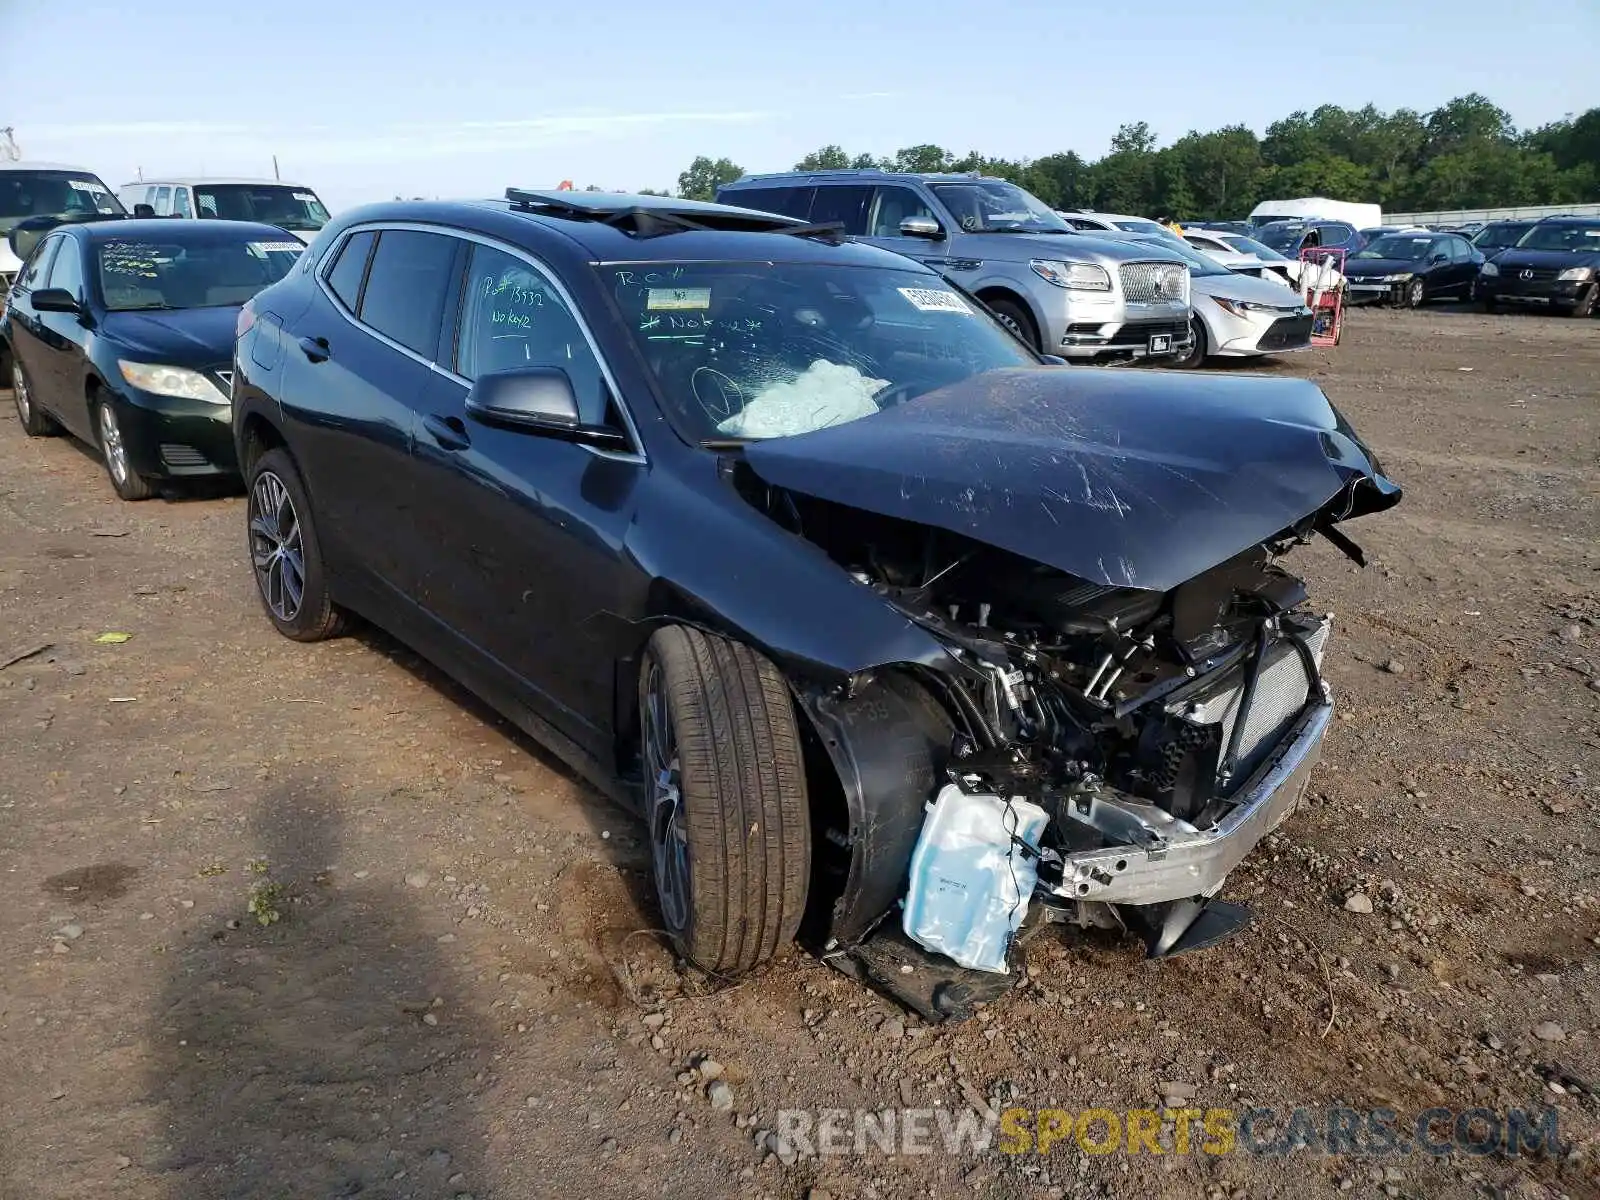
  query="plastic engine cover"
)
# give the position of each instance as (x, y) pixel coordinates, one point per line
(970, 880)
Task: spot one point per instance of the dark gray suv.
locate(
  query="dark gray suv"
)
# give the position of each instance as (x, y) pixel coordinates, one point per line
(1060, 291)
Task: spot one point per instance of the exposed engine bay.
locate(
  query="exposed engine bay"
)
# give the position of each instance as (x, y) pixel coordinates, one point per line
(1137, 719)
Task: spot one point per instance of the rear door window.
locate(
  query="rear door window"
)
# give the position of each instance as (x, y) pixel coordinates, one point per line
(844, 203)
(180, 202)
(406, 287)
(786, 201)
(163, 201)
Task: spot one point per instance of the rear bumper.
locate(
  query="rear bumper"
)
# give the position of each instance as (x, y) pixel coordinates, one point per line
(1183, 862)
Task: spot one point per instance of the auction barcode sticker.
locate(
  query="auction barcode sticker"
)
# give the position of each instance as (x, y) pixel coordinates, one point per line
(277, 247)
(84, 185)
(677, 299)
(305, 197)
(934, 300)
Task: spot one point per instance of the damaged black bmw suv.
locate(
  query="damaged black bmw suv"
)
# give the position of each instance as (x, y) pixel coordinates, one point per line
(786, 542)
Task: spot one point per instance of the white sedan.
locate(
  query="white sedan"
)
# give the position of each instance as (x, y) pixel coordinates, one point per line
(1250, 257)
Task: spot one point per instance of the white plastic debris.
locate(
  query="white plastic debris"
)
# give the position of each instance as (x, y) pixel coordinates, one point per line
(823, 394)
(970, 880)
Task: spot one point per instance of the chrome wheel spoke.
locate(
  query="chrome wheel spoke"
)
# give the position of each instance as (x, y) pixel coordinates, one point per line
(669, 839)
(276, 548)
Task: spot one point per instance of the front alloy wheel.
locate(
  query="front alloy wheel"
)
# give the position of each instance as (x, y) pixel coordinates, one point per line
(1415, 294)
(130, 485)
(669, 839)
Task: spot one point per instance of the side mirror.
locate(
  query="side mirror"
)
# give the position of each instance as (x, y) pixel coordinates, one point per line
(144, 211)
(1438, 256)
(537, 400)
(57, 300)
(921, 227)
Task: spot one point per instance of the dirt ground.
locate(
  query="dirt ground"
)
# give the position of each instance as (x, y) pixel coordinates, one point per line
(455, 1001)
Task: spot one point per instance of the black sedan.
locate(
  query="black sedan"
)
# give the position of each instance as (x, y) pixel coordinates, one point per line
(1412, 268)
(780, 538)
(122, 333)
(1555, 266)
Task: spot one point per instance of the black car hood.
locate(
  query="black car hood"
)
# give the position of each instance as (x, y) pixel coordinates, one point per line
(1560, 259)
(1126, 478)
(184, 337)
(1362, 268)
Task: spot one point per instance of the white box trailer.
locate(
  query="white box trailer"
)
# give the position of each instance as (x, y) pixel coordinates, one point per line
(1362, 216)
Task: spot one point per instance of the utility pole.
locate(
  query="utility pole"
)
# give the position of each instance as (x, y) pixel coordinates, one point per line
(9, 150)
(275, 174)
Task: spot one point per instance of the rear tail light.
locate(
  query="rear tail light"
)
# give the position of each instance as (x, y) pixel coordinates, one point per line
(247, 319)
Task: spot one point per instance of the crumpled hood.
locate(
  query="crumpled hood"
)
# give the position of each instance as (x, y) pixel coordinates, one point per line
(1126, 478)
(185, 337)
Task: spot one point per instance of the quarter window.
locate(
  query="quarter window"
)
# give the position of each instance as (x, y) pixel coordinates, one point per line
(406, 286)
(163, 201)
(351, 268)
(514, 317)
(180, 202)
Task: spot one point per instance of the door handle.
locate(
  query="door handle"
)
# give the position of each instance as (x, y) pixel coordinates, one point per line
(315, 348)
(449, 432)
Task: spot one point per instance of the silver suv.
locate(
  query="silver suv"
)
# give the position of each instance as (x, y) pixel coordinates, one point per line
(1062, 292)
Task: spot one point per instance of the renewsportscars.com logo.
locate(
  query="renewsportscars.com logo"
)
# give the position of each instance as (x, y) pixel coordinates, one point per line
(1369, 1132)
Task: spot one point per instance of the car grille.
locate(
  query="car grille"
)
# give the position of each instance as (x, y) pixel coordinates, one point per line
(1286, 333)
(1539, 274)
(1281, 692)
(1154, 283)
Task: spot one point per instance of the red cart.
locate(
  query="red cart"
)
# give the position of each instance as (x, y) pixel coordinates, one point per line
(1322, 284)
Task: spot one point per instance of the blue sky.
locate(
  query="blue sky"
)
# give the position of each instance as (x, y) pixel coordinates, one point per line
(364, 99)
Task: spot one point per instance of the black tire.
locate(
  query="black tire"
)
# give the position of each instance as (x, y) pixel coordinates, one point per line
(285, 554)
(35, 421)
(129, 484)
(1017, 319)
(1416, 294)
(725, 796)
(1198, 350)
(1585, 305)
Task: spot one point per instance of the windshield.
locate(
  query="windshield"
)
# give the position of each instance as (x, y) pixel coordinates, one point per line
(1573, 236)
(269, 203)
(1249, 245)
(1410, 249)
(1498, 237)
(1281, 237)
(753, 350)
(68, 194)
(189, 271)
(994, 206)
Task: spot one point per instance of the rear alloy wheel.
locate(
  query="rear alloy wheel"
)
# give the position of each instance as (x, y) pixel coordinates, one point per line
(1197, 351)
(1416, 293)
(725, 798)
(1585, 305)
(1015, 318)
(35, 421)
(130, 485)
(285, 554)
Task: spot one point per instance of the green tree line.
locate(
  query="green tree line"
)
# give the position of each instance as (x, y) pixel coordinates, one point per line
(1464, 154)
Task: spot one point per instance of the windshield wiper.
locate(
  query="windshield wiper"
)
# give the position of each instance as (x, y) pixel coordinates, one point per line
(148, 308)
(725, 443)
